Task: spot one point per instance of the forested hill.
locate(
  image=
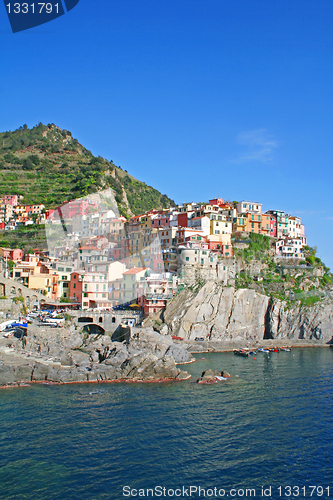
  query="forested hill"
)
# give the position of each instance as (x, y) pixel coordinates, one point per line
(47, 165)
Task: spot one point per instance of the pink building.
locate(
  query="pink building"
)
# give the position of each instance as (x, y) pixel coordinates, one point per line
(15, 254)
(160, 219)
(76, 208)
(225, 250)
(9, 199)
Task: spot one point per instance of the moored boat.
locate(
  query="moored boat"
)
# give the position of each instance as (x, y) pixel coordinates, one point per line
(241, 352)
(262, 349)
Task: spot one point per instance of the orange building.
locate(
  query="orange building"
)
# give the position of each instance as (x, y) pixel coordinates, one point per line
(265, 224)
(253, 223)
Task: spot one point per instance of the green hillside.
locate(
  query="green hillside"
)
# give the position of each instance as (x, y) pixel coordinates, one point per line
(47, 165)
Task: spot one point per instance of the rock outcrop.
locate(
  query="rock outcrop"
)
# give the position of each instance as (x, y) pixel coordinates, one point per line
(62, 356)
(212, 377)
(221, 313)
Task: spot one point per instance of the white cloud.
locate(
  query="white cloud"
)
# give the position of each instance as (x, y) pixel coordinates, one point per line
(259, 145)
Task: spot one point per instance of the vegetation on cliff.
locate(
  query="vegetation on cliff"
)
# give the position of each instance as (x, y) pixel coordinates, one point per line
(47, 165)
(306, 281)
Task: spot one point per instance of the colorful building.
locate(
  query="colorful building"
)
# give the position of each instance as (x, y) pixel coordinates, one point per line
(252, 207)
(290, 248)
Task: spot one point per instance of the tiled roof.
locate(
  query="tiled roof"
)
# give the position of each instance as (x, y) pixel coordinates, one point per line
(135, 270)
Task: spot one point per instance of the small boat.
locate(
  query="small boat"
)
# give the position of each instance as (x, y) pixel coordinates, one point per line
(6, 324)
(286, 349)
(262, 349)
(247, 349)
(273, 349)
(241, 352)
(20, 324)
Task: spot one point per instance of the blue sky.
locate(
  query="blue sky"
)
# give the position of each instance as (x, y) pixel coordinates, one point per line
(200, 99)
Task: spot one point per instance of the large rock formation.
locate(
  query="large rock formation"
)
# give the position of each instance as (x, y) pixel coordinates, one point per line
(218, 312)
(54, 355)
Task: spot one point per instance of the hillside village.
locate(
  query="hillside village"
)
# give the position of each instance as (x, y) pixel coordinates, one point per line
(105, 261)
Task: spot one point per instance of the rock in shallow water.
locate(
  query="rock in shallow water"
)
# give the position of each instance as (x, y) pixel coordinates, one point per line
(212, 377)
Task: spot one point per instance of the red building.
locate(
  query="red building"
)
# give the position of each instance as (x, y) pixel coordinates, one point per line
(75, 288)
(182, 220)
(273, 225)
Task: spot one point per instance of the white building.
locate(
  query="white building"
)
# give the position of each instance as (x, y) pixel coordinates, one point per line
(201, 224)
(294, 227)
(289, 248)
(252, 207)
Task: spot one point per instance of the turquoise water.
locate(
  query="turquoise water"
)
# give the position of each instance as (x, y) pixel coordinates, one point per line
(270, 425)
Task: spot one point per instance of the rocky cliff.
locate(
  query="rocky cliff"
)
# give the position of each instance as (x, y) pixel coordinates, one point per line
(51, 355)
(218, 312)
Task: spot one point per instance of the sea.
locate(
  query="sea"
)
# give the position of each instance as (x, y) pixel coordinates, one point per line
(267, 432)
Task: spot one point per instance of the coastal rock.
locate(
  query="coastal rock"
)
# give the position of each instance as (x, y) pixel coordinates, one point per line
(76, 358)
(212, 377)
(222, 313)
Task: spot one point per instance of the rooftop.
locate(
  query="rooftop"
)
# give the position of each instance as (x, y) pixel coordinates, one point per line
(135, 270)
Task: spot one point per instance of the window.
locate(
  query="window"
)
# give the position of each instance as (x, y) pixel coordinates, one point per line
(187, 259)
(65, 285)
